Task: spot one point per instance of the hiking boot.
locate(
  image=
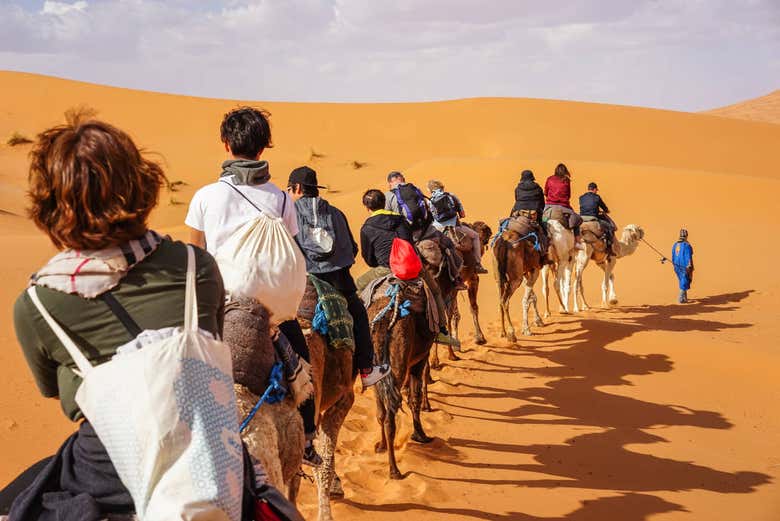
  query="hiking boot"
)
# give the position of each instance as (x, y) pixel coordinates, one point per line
(460, 286)
(480, 269)
(374, 375)
(310, 456)
(445, 338)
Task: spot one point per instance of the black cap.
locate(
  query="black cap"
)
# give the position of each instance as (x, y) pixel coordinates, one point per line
(593, 186)
(303, 175)
(392, 175)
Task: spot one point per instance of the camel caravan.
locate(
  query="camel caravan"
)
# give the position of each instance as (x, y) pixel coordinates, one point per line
(224, 415)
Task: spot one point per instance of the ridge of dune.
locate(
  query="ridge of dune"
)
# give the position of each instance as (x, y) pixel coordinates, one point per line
(764, 108)
(646, 411)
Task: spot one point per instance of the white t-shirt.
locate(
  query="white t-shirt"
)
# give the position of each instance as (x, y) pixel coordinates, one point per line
(218, 211)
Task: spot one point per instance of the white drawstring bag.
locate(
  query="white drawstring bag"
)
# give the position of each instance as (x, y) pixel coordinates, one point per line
(261, 260)
(167, 416)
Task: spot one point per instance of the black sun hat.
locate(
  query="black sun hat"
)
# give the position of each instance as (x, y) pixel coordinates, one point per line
(304, 175)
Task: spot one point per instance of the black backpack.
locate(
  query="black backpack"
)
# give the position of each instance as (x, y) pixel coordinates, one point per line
(444, 207)
(411, 202)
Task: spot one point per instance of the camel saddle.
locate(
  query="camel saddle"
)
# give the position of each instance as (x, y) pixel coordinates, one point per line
(568, 218)
(532, 215)
(592, 231)
(461, 240)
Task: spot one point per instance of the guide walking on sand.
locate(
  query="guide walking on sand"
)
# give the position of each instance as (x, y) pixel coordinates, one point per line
(682, 260)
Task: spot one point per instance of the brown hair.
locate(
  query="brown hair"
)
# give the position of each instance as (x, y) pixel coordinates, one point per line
(90, 187)
(562, 172)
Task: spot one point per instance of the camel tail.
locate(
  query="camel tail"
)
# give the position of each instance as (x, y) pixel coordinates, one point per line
(386, 388)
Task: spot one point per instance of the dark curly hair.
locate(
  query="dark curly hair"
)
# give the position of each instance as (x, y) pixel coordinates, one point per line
(247, 131)
(90, 187)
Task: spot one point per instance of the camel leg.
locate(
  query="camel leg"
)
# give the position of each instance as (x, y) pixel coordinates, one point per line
(293, 487)
(505, 316)
(415, 402)
(527, 291)
(434, 357)
(327, 440)
(566, 287)
(579, 289)
(426, 379)
(546, 289)
(610, 279)
(560, 268)
(389, 435)
(454, 323)
(604, 284)
(534, 276)
(479, 337)
(381, 413)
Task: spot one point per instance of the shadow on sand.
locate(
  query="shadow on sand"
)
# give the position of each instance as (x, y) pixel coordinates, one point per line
(580, 367)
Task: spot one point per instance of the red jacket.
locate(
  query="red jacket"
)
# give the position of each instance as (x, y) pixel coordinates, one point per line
(557, 190)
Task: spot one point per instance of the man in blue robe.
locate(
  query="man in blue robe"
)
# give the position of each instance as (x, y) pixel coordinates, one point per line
(682, 260)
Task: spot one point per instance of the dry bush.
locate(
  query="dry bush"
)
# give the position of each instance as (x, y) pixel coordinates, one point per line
(17, 139)
(79, 113)
(313, 155)
(175, 186)
(357, 165)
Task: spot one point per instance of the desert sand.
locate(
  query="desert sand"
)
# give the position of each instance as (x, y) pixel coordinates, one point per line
(764, 108)
(648, 410)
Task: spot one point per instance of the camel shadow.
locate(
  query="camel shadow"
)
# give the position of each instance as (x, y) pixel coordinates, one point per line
(576, 373)
(626, 507)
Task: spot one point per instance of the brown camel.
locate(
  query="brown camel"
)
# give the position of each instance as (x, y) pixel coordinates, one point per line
(333, 378)
(405, 343)
(275, 435)
(471, 279)
(516, 264)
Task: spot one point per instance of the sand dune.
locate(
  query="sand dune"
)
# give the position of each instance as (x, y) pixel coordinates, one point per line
(647, 411)
(765, 108)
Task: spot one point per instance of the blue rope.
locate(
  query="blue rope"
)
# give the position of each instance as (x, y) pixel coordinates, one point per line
(274, 393)
(403, 309)
(320, 321)
(502, 227)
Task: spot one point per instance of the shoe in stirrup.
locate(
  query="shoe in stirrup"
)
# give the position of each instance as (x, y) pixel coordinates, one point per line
(445, 338)
(377, 373)
(480, 269)
(310, 456)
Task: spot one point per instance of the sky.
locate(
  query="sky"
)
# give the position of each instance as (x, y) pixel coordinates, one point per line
(672, 54)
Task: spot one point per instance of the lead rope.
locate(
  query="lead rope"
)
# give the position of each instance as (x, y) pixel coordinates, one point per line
(664, 259)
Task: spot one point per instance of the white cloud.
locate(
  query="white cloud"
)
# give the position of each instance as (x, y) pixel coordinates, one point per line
(62, 8)
(673, 54)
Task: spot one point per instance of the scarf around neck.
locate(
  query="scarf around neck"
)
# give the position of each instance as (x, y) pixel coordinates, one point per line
(90, 273)
(246, 171)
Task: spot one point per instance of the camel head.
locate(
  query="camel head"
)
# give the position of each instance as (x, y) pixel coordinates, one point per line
(484, 231)
(633, 233)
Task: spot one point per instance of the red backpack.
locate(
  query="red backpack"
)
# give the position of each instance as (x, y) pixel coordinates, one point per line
(404, 261)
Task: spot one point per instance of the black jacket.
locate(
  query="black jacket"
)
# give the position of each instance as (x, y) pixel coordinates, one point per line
(528, 194)
(376, 238)
(590, 204)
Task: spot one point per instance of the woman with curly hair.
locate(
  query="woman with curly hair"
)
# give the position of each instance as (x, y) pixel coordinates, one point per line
(91, 192)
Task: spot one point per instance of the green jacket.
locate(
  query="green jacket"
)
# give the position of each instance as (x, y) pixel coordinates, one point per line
(153, 294)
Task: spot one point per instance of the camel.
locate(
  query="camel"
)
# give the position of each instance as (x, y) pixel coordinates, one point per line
(275, 435)
(516, 263)
(562, 252)
(405, 343)
(471, 279)
(596, 250)
(333, 378)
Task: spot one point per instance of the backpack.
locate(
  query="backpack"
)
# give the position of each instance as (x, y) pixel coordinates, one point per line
(405, 264)
(260, 260)
(411, 202)
(165, 410)
(318, 239)
(444, 207)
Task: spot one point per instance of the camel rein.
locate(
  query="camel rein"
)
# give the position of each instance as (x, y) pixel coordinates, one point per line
(664, 260)
(274, 393)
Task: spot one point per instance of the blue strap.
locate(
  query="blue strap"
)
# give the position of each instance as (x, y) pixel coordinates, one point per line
(274, 393)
